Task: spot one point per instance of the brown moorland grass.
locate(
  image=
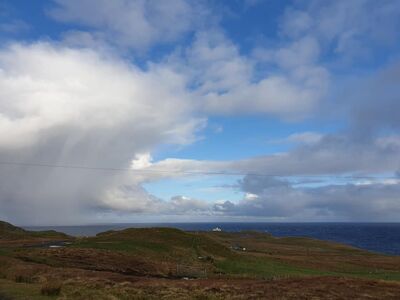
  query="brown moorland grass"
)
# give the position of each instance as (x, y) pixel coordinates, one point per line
(151, 288)
(51, 288)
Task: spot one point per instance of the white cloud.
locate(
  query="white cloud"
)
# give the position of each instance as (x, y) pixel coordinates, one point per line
(141, 160)
(225, 81)
(250, 196)
(133, 199)
(305, 137)
(86, 91)
(135, 24)
(186, 205)
(383, 181)
(304, 51)
(130, 199)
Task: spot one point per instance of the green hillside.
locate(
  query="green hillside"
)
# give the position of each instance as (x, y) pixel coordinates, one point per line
(9, 231)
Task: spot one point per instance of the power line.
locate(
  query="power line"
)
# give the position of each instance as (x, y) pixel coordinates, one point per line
(225, 173)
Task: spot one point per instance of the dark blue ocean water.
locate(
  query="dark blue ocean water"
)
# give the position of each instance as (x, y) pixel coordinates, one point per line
(378, 237)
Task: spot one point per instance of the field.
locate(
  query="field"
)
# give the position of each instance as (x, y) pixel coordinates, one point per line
(167, 263)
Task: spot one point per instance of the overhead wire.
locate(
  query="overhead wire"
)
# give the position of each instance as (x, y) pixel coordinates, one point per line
(185, 172)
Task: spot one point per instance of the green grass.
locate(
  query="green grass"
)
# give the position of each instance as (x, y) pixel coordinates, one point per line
(267, 268)
(155, 241)
(126, 246)
(50, 234)
(5, 252)
(263, 268)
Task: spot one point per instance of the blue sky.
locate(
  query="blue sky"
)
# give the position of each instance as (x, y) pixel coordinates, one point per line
(297, 99)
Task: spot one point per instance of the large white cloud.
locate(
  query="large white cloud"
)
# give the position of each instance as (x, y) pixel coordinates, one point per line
(45, 86)
(224, 80)
(78, 107)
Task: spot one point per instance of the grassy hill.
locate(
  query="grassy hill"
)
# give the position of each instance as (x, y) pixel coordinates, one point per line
(7, 228)
(11, 232)
(174, 243)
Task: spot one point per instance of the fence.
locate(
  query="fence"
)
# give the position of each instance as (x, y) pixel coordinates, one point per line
(190, 271)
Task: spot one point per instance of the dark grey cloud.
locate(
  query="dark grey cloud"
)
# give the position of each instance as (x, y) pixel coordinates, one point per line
(335, 154)
(257, 184)
(351, 30)
(375, 102)
(378, 201)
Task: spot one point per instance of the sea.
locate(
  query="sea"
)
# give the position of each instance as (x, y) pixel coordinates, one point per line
(376, 237)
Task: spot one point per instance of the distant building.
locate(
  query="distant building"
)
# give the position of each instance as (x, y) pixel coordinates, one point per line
(217, 229)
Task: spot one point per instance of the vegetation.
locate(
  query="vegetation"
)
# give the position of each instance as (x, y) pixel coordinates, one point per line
(52, 288)
(11, 232)
(146, 263)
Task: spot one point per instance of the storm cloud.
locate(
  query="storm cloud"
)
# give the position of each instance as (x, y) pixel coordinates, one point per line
(79, 108)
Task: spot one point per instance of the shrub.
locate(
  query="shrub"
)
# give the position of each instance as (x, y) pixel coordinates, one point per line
(51, 289)
(23, 279)
(22, 274)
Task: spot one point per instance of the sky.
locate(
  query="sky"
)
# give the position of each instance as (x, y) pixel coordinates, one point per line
(196, 111)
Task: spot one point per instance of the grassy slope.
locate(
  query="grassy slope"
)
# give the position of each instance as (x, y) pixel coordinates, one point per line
(269, 256)
(11, 232)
